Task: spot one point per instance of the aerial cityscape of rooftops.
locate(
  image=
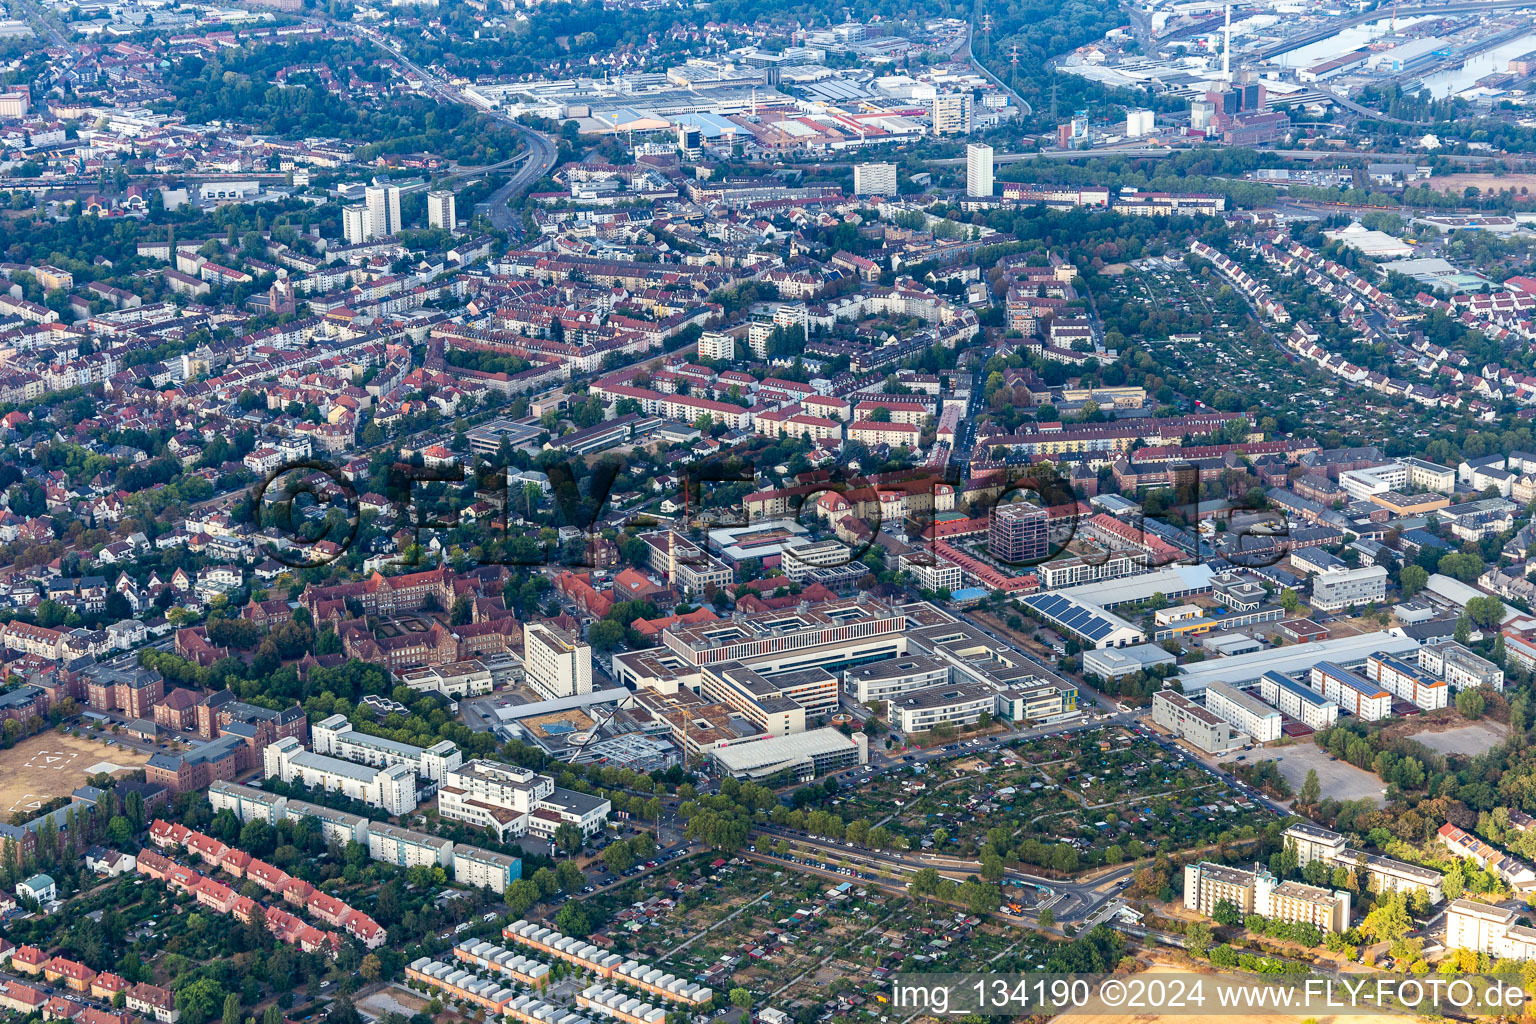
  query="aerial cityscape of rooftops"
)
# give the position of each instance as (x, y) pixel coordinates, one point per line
(677, 511)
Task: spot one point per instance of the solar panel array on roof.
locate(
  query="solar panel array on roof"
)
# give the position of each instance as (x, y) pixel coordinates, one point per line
(1083, 621)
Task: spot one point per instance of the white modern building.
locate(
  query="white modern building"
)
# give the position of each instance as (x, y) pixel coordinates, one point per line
(456, 680)
(1187, 720)
(1305, 705)
(557, 664)
(958, 705)
(1243, 711)
(717, 345)
(1407, 680)
(1482, 928)
(392, 789)
(513, 801)
(407, 848)
(335, 737)
(485, 868)
(874, 179)
(978, 170)
(250, 804)
(1362, 483)
(1460, 667)
(1312, 842)
(355, 224)
(1257, 891)
(440, 210)
(383, 202)
(1342, 588)
(804, 755)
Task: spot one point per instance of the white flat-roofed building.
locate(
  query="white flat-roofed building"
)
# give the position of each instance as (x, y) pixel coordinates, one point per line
(1362, 483)
(1243, 711)
(485, 869)
(335, 737)
(392, 789)
(930, 571)
(1459, 667)
(407, 848)
(1482, 928)
(492, 795)
(1076, 572)
(556, 663)
(1343, 588)
(458, 679)
(567, 806)
(1430, 476)
(250, 804)
(514, 801)
(1298, 902)
(246, 802)
(1353, 693)
(1305, 705)
(1407, 680)
(1207, 884)
(1119, 662)
(1188, 720)
(889, 679)
(801, 560)
(874, 179)
(1257, 891)
(1313, 842)
(804, 755)
(958, 704)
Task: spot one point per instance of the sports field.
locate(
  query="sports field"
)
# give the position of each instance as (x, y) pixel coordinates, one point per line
(50, 765)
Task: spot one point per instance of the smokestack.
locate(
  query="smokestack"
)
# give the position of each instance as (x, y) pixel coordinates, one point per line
(1226, 50)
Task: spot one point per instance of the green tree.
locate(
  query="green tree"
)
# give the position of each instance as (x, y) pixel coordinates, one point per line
(1413, 579)
(1311, 789)
(1470, 703)
(1047, 918)
(741, 998)
(521, 895)
(568, 838)
(1197, 938)
(605, 635)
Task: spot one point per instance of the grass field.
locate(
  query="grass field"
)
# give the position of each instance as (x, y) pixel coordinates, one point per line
(50, 765)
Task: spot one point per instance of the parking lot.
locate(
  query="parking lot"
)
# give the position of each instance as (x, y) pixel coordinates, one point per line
(1340, 780)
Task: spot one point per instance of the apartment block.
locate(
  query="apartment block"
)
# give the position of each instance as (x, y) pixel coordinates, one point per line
(1482, 928)
(391, 789)
(1187, 720)
(1243, 711)
(1313, 842)
(1307, 706)
(1343, 588)
(1460, 667)
(557, 664)
(1408, 681)
(1352, 693)
(1257, 891)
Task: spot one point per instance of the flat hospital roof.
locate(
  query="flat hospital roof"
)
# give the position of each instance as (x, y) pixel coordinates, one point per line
(1245, 668)
(752, 754)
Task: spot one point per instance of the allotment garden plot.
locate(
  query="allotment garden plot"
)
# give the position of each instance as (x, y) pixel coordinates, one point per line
(794, 939)
(1106, 796)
